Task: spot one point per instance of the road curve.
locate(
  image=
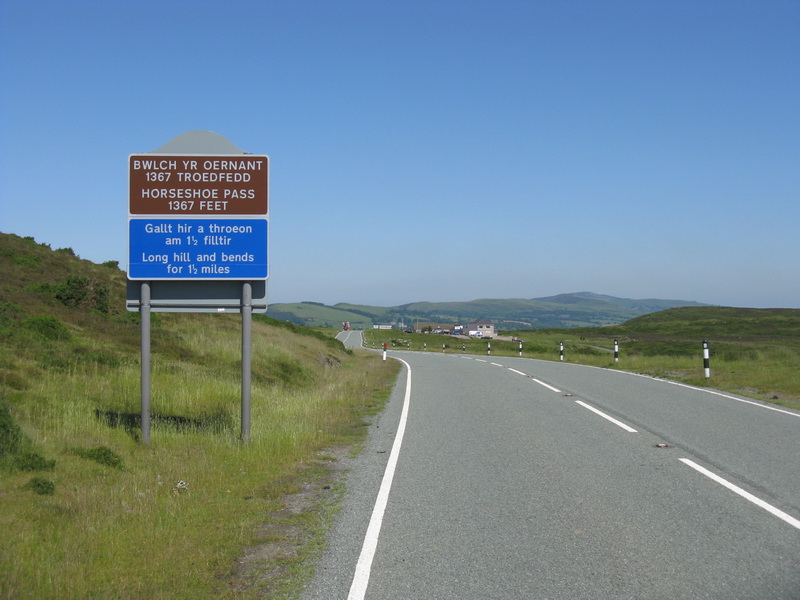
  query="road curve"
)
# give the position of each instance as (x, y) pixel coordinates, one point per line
(519, 478)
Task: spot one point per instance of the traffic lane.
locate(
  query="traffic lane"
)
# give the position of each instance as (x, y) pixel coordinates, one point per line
(505, 489)
(350, 338)
(748, 441)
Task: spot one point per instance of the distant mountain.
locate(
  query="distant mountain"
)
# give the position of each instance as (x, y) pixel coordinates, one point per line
(580, 309)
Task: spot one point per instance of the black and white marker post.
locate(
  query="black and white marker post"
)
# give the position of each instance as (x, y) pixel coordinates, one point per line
(520, 348)
(616, 351)
(561, 350)
(488, 347)
(706, 360)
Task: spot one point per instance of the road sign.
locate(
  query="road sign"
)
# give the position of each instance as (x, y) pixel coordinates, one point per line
(195, 184)
(192, 248)
(198, 219)
(187, 258)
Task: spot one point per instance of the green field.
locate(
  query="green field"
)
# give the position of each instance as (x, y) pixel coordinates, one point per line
(88, 511)
(754, 352)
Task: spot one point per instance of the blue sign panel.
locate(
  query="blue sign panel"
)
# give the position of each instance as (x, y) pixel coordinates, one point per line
(197, 249)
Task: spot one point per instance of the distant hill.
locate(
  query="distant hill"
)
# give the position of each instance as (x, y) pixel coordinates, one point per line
(580, 309)
(720, 323)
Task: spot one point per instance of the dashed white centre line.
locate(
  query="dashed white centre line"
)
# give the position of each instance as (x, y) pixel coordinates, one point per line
(548, 386)
(747, 495)
(496, 364)
(517, 372)
(605, 416)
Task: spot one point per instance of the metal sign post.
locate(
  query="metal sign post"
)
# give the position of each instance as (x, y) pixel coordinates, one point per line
(247, 349)
(145, 316)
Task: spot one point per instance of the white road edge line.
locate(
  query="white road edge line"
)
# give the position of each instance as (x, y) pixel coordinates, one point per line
(549, 387)
(605, 416)
(747, 495)
(358, 588)
(700, 389)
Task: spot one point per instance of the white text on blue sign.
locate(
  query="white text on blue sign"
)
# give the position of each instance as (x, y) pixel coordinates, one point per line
(197, 249)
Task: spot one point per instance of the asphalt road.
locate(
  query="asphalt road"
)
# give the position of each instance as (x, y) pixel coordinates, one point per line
(532, 479)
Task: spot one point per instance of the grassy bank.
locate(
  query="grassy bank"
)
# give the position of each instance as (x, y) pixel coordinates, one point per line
(754, 352)
(89, 512)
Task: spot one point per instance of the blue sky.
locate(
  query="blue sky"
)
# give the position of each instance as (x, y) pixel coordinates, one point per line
(436, 150)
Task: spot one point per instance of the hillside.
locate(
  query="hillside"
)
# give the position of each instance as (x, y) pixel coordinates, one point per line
(582, 309)
(88, 511)
(718, 323)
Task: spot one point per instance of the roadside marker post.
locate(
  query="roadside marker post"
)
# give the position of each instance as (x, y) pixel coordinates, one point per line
(561, 350)
(520, 348)
(706, 360)
(616, 351)
(488, 347)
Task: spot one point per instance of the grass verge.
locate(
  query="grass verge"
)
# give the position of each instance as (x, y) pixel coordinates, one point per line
(87, 511)
(764, 366)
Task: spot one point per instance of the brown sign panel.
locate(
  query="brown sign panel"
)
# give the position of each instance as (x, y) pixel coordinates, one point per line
(171, 184)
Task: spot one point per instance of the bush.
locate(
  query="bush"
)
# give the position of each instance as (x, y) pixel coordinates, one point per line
(78, 291)
(47, 326)
(33, 461)
(99, 299)
(103, 455)
(74, 291)
(43, 487)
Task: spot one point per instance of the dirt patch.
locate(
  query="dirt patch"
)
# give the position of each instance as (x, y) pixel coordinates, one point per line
(291, 538)
(330, 362)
